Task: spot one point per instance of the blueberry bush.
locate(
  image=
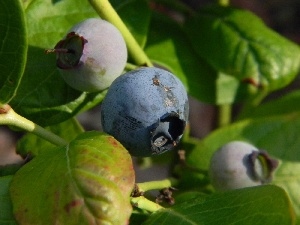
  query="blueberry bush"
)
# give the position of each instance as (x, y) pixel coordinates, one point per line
(224, 56)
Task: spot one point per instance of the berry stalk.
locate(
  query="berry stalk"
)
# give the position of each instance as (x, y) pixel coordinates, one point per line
(143, 203)
(130, 66)
(9, 117)
(224, 115)
(107, 12)
(157, 185)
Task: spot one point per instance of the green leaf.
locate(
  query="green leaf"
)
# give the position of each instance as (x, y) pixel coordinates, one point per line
(34, 145)
(287, 104)
(287, 176)
(239, 44)
(168, 46)
(136, 16)
(190, 196)
(13, 47)
(137, 218)
(88, 181)
(260, 205)
(229, 90)
(6, 209)
(278, 135)
(43, 96)
(48, 21)
(47, 106)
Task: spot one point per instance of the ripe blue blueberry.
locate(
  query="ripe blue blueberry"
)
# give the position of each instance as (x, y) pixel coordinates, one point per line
(146, 110)
(239, 164)
(92, 55)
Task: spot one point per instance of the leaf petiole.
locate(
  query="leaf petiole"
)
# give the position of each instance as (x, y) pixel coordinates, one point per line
(9, 117)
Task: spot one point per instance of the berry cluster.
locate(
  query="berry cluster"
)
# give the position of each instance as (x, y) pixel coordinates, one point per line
(145, 109)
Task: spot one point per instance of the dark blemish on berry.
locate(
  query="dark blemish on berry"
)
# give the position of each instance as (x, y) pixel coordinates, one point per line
(156, 80)
(102, 71)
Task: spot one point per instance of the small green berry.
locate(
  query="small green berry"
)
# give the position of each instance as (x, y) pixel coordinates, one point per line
(238, 164)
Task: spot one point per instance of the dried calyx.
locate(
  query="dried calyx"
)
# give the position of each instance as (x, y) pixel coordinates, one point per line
(262, 166)
(69, 51)
(167, 133)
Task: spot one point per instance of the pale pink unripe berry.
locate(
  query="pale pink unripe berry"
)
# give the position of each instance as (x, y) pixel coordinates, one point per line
(92, 55)
(239, 164)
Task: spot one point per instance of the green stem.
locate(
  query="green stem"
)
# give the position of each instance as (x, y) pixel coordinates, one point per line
(130, 66)
(143, 203)
(157, 185)
(224, 115)
(107, 12)
(11, 118)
